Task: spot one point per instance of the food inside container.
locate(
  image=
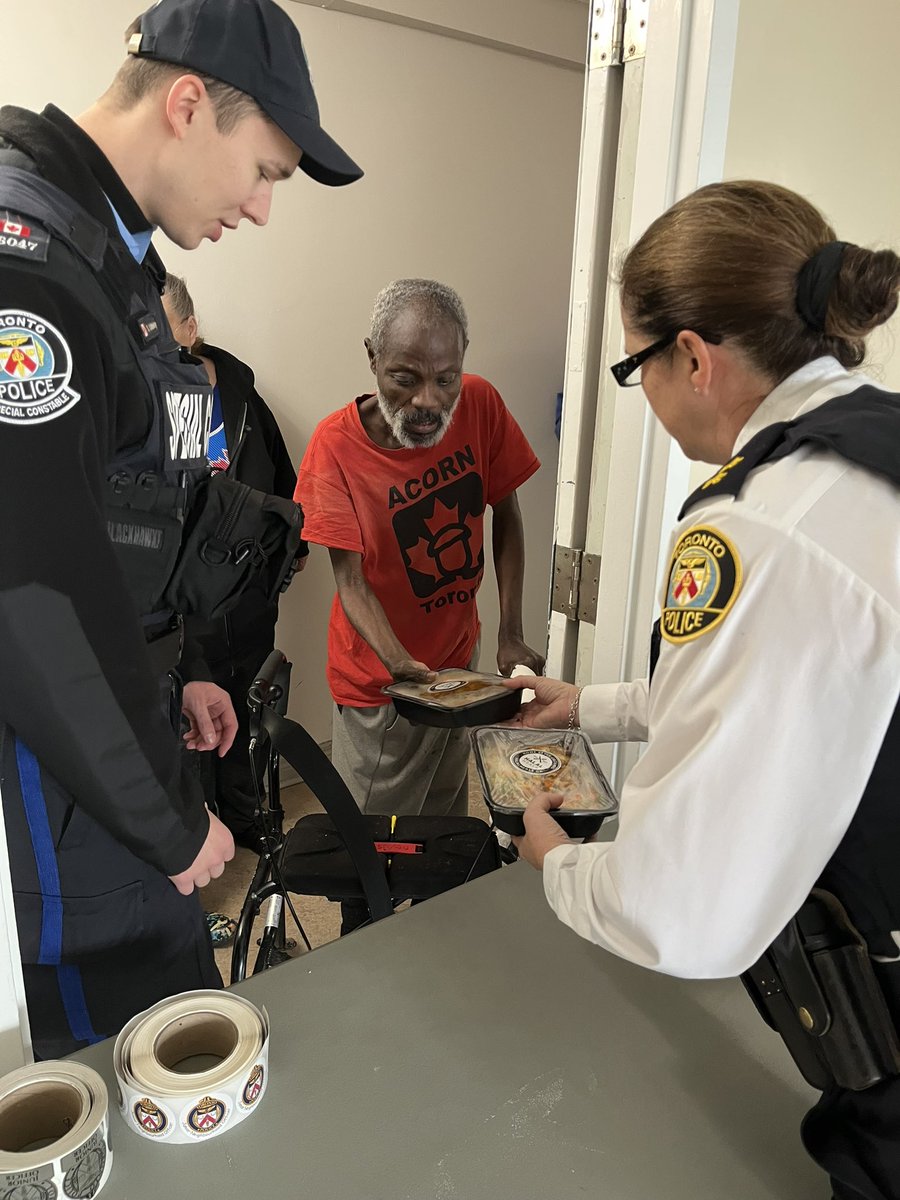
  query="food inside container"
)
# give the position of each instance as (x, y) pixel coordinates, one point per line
(517, 765)
(455, 697)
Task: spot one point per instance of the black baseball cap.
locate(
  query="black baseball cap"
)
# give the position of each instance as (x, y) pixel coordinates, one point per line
(254, 46)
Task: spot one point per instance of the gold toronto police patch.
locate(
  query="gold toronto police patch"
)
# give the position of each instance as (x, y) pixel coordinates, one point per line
(704, 580)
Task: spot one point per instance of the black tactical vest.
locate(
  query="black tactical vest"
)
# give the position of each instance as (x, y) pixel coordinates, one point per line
(864, 428)
(150, 486)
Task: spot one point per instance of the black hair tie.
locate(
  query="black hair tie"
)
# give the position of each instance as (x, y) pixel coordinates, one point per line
(815, 281)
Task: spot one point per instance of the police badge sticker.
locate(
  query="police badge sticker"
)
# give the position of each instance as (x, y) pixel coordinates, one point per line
(206, 1116)
(31, 1191)
(704, 580)
(35, 370)
(253, 1088)
(84, 1169)
(150, 1118)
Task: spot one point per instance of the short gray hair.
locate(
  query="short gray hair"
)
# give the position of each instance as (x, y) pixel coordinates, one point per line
(434, 300)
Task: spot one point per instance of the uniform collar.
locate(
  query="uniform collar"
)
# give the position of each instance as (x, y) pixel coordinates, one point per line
(138, 243)
(123, 204)
(66, 157)
(805, 389)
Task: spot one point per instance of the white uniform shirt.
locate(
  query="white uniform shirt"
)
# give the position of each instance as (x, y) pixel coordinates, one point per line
(763, 731)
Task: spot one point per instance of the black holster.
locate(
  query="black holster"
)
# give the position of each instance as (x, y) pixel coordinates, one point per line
(815, 986)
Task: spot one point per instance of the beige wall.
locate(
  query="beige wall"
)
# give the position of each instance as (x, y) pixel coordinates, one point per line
(471, 160)
(814, 108)
(551, 29)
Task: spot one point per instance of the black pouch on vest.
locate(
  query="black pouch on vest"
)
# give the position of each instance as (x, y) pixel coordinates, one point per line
(817, 988)
(236, 537)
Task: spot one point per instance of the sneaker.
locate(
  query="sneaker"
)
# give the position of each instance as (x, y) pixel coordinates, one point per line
(221, 929)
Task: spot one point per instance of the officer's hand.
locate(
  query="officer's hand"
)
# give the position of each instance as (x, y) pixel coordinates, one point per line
(512, 651)
(551, 705)
(216, 851)
(411, 670)
(211, 717)
(542, 832)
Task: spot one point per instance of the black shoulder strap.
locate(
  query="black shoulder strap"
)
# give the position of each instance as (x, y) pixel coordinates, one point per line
(308, 759)
(123, 281)
(862, 427)
(33, 196)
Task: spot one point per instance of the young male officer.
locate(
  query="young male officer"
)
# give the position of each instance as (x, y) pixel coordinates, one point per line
(103, 439)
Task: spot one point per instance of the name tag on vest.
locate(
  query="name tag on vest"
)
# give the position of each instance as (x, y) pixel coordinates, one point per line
(187, 413)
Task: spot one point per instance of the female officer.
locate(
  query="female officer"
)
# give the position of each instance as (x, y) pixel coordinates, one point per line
(772, 763)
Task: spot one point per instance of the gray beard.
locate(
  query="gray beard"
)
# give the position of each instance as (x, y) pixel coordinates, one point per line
(399, 426)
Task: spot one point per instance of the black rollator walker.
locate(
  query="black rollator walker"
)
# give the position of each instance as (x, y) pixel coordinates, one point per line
(373, 861)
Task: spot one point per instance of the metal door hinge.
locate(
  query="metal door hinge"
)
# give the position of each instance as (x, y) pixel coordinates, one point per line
(634, 41)
(576, 584)
(618, 32)
(606, 33)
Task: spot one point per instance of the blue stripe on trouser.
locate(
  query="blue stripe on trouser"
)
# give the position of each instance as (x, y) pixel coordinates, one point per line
(72, 991)
(50, 952)
(44, 855)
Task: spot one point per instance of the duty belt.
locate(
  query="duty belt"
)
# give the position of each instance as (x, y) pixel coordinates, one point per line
(816, 987)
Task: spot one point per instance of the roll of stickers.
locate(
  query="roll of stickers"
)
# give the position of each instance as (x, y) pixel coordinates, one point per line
(54, 1133)
(192, 1067)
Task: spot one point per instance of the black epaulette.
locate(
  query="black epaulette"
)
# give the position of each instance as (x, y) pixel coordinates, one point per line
(862, 427)
(28, 201)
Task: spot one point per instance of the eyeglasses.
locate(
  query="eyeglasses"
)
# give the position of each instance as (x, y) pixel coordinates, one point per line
(627, 373)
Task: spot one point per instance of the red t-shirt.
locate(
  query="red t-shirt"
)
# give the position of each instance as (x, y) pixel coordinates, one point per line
(417, 518)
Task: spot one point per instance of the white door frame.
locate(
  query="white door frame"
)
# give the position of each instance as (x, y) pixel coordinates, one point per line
(673, 123)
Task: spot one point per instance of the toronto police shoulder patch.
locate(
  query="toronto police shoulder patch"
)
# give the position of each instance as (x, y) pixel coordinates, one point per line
(35, 370)
(704, 580)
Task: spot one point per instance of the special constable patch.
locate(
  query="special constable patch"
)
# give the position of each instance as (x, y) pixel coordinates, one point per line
(35, 370)
(704, 580)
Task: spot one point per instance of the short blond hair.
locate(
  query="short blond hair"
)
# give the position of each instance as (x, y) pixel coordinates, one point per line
(139, 77)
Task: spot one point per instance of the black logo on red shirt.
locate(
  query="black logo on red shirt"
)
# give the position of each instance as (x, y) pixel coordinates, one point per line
(440, 536)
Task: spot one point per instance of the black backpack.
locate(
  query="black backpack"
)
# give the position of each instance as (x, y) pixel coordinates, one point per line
(235, 535)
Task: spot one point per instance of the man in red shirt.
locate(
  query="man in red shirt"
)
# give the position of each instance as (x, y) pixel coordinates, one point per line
(395, 484)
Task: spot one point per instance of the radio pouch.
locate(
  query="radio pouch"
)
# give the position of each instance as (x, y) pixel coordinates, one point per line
(816, 987)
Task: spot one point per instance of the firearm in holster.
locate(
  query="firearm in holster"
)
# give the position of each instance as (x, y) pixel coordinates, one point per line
(816, 987)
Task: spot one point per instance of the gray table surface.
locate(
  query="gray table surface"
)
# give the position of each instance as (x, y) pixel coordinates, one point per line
(474, 1047)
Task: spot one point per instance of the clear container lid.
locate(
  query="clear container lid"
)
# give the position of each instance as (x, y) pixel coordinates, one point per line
(453, 688)
(517, 765)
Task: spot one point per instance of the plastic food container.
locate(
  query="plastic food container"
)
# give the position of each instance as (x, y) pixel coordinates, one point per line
(455, 698)
(517, 765)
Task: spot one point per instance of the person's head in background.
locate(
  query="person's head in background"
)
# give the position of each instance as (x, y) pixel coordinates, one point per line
(740, 284)
(416, 345)
(212, 107)
(179, 308)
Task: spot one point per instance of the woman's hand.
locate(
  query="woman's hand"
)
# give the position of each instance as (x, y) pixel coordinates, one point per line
(551, 705)
(542, 832)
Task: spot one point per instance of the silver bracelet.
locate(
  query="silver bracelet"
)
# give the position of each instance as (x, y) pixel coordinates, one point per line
(573, 710)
